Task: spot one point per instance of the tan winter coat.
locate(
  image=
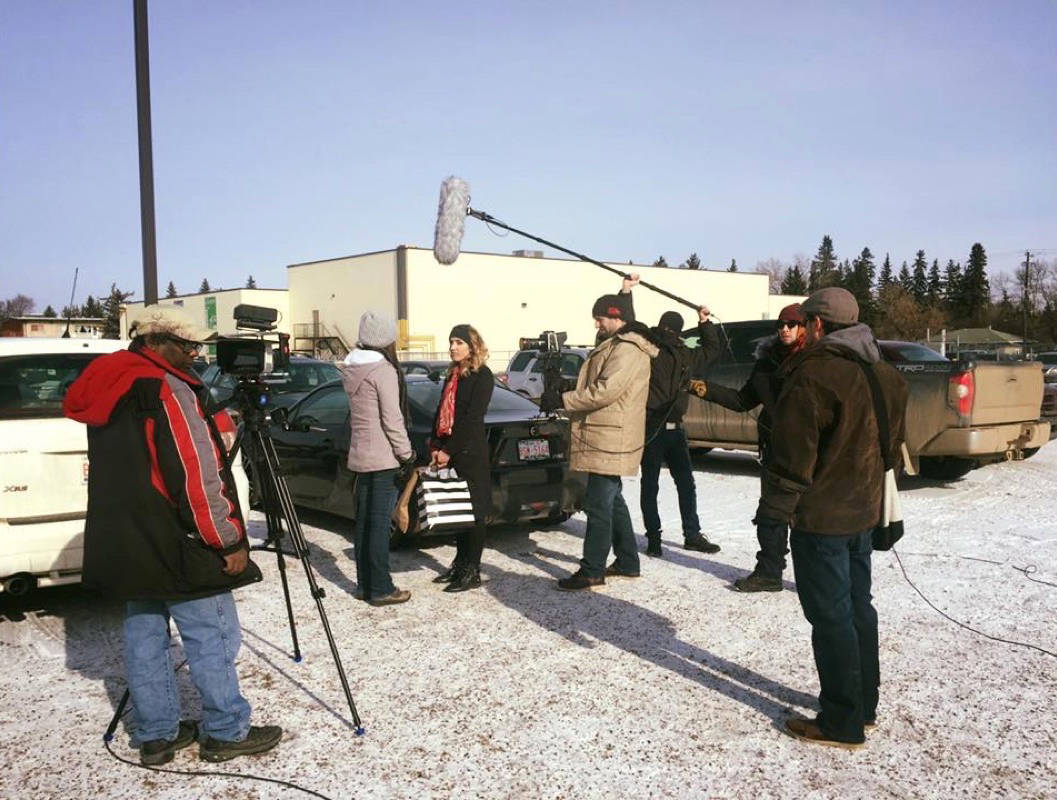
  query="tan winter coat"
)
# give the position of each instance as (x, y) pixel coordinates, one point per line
(608, 407)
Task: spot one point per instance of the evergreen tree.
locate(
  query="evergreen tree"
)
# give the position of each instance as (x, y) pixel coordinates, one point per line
(92, 308)
(69, 312)
(112, 312)
(693, 262)
(906, 280)
(919, 284)
(859, 281)
(733, 266)
(793, 282)
(952, 288)
(204, 287)
(886, 278)
(975, 294)
(935, 284)
(823, 266)
(250, 283)
(660, 262)
(170, 290)
(50, 312)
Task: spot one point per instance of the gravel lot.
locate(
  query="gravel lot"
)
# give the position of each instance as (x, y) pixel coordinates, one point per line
(671, 685)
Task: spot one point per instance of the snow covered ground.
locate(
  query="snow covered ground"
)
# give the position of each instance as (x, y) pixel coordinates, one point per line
(672, 685)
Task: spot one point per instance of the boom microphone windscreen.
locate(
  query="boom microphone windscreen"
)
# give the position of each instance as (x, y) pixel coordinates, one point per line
(451, 216)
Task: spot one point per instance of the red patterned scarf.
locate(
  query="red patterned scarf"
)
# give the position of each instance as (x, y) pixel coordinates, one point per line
(446, 418)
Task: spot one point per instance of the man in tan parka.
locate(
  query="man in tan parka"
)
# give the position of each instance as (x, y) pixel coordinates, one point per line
(607, 411)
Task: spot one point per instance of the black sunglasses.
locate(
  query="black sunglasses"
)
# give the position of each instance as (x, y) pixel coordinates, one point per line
(782, 323)
(186, 346)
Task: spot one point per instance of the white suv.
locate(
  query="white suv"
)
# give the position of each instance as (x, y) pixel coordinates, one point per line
(525, 373)
(44, 461)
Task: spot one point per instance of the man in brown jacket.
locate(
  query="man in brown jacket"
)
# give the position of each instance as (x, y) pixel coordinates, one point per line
(825, 479)
(608, 422)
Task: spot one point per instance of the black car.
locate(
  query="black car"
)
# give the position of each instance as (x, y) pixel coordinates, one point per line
(285, 388)
(529, 453)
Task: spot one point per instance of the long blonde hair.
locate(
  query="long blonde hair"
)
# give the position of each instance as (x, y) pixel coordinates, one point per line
(478, 353)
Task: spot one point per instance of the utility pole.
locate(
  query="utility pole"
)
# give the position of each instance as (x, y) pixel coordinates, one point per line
(146, 157)
(1027, 285)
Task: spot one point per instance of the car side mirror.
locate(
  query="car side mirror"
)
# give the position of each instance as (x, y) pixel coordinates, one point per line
(434, 376)
(280, 416)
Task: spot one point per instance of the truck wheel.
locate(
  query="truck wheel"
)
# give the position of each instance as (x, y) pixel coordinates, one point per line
(1028, 452)
(945, 468)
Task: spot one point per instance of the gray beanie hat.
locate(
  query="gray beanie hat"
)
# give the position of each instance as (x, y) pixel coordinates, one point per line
(832, 305)
(377, 329)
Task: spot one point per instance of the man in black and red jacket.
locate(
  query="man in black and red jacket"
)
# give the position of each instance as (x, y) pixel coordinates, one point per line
(164, 533)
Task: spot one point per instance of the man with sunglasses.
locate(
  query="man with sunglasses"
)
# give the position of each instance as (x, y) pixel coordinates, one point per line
(762, 388)
(164, 533)
(825, 478)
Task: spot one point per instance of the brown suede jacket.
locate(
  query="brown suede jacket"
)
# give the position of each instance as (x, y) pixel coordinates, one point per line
(826, 471)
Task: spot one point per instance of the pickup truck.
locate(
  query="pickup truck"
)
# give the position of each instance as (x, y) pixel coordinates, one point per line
(960, 415)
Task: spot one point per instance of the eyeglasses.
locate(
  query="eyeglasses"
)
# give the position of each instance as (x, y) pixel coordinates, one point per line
(187, 347)
(783, 323)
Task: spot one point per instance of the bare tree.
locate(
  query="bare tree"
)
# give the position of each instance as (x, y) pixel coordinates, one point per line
(775, 271)
(18, 306)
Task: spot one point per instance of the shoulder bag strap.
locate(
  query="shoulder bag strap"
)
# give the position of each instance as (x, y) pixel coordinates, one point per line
(881, 411)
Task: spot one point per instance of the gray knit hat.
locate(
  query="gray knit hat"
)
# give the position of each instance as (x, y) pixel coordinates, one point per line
(832, 305)
(377, 329)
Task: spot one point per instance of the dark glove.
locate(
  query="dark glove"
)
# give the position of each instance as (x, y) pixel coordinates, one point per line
(407, 466)
(550, 400)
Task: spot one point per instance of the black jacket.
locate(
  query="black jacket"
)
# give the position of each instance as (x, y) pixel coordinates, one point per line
(467, 444)
(762, 388)
(162, 506)
(671, 370)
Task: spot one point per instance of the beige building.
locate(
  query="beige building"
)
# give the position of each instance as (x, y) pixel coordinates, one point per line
(504, 296)
(35, 325)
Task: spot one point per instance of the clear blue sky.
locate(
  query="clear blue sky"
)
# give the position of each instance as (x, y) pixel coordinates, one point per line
(294, 131)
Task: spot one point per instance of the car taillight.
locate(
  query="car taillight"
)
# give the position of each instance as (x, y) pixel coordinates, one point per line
(226, 427)
(961, 392)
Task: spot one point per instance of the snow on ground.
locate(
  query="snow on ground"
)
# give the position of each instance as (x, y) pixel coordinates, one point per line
(671, 685)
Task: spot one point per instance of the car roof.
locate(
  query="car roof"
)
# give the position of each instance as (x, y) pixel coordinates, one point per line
(32, 345)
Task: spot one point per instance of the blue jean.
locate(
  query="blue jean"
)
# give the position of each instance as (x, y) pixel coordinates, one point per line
(209, 628)
(375, 499)
(608, 525)
(833, 582)
(668, 447)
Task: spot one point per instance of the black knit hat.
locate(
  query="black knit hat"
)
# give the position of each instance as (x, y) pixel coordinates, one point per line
(460, 331)
(615, 306)
(672, 320)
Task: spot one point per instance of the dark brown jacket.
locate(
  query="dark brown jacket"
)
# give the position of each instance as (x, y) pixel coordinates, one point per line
(826, 472)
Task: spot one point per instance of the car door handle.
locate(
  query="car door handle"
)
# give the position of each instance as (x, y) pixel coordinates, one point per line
(314, 428)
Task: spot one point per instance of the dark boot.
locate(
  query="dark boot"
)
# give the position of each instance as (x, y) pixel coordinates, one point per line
(449, 575)
(467, 578)
(701, 544)
(653, 545)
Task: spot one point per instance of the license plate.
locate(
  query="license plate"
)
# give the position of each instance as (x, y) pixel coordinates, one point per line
(533, 449)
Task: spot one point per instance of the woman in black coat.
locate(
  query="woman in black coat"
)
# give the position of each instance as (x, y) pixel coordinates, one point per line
(459, 442)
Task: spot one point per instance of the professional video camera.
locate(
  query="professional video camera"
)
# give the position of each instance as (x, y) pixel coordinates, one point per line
(546, 342)
(549, 344)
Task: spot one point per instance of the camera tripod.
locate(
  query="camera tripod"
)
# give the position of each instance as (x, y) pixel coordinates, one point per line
(278, 507)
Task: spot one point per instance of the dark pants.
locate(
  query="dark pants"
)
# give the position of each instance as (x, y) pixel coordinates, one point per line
(773, 536)
(833, 582)
(375, 499)
(608, 525)
(469, 544)
(668, 447)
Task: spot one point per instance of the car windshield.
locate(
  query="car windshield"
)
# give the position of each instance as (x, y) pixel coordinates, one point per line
(425, 397)
(570, 364)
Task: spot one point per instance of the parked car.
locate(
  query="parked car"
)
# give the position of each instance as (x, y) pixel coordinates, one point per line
(524, 374)
(44, 461)
(1048, 412)
(1049, 366)
(424, 368)
(286, 388)
(960, 415)
(530, 476)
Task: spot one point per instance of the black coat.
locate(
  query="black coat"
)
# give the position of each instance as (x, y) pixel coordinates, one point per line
(162, 505)
(467, 444)
(671, 370)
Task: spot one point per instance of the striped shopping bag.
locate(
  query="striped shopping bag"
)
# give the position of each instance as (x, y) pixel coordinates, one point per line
(443, 501)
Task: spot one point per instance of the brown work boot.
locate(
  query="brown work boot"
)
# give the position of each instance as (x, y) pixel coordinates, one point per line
(398, 596)
(579, 581)
(807, 730)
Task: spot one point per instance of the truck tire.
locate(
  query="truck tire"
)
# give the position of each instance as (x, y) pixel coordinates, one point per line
(945, 468)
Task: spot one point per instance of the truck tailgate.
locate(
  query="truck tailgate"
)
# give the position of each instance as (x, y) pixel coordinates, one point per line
(1006, 392)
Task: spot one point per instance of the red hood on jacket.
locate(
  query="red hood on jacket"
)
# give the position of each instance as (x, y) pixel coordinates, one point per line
(92, 397)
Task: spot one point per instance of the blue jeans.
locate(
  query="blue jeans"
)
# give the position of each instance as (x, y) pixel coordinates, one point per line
(211, 637)
(668, 447)
(375, 499)
(608, 525)
(833, 582)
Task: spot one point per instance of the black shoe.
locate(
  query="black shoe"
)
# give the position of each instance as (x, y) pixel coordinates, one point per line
(467, 578)
(701, 543)
(613, 571)
(756, 582)
(578, 580)
(257, 740)
(160, 751)
(653, 545)
(449, 575)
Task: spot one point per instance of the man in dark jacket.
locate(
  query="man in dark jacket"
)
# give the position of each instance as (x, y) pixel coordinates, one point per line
(762, 389)
(164, 533)
(666, 444)
(825, 478)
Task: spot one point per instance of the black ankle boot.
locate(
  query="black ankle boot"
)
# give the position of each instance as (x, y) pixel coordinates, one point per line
(653, 545)
(450, 574)
(467, 578)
